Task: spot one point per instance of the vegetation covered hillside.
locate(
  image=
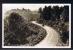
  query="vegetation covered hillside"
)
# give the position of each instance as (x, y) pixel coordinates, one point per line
(58, 18)
(18, 31)
(26, 13)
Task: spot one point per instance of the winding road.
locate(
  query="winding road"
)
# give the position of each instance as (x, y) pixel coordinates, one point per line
(51, 38)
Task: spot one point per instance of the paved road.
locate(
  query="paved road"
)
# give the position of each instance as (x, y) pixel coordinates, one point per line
(51, 38)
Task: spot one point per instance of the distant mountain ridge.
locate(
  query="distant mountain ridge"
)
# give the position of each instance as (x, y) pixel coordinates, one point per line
(26, 13)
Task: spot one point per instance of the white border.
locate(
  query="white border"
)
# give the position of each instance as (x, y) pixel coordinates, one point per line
(39, 47)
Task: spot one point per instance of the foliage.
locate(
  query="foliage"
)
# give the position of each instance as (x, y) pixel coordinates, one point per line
(58, 18)
(18, 31)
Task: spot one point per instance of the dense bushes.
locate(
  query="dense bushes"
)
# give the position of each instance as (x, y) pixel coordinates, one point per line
(18, 31)
(56, 17)
(54, 13)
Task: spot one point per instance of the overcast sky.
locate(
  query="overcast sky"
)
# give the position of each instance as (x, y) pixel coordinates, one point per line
(32, 7)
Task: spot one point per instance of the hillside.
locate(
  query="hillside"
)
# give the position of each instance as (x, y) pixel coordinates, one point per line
(26, 13)
(18, 31)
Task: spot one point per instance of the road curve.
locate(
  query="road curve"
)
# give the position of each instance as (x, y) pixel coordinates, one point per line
(51, 38)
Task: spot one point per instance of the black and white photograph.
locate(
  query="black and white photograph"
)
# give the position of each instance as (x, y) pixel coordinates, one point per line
(36, 25)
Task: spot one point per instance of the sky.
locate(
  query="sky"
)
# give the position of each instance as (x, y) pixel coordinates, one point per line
(32, 7)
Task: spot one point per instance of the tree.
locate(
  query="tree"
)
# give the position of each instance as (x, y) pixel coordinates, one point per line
(66, 9)
(40, 10)
(17, 25)
(47, 13)
(61, 10)
(56, 12)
